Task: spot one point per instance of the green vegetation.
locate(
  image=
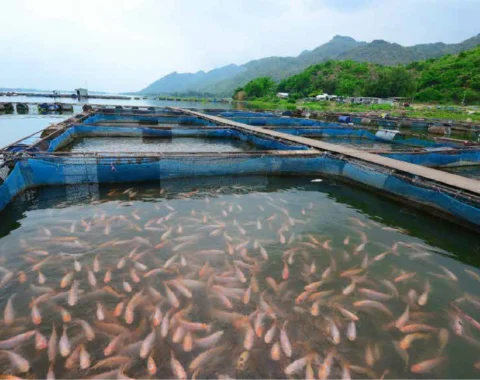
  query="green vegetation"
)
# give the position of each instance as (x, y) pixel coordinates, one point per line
(223, 80)
(348, 78)
(257, 88)
(449, 79)
(385, 53)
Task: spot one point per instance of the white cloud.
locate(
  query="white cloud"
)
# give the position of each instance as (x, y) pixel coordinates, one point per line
(125, 45)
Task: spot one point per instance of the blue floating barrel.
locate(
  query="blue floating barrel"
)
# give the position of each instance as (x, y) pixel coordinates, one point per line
(345, 119)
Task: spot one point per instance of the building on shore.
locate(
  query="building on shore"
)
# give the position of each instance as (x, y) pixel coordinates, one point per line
(81, 92)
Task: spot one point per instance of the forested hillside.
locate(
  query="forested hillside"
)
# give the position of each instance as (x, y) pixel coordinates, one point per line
(451, 78)
(223, 80)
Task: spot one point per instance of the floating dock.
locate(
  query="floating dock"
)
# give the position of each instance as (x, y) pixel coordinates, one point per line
(403, 167)
(36, 161)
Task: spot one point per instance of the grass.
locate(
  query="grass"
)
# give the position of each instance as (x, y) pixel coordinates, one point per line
(456, 113)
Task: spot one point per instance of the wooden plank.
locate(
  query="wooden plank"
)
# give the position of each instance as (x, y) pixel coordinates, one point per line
(445, 178)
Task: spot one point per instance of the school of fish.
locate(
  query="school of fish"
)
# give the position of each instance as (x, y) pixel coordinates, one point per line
(215, 290)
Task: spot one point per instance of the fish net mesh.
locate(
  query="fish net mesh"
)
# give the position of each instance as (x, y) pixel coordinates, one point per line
(56, 169)
(71, 169)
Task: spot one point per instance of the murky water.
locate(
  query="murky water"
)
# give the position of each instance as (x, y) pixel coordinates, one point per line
(365, 144)
(164, 145)
(281, 276)
(465, 171)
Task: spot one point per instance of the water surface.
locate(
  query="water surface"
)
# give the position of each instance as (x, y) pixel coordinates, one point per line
(465, 171)
(14, 127)
(132, 102)
(163, 145)
(232, 257)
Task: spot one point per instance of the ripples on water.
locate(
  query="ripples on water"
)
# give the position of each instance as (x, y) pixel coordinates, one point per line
(285, 277)
(164, 145)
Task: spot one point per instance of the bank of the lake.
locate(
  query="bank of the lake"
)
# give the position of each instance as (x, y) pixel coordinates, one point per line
(446, 112)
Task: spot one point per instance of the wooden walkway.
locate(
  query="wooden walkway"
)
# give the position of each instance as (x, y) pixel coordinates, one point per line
(444, 178)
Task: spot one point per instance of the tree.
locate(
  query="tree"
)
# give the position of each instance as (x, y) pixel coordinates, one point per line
(260, 87)
(401, 83)
(446, 79)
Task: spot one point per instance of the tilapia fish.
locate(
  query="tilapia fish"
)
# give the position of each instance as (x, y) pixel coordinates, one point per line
(249, 285)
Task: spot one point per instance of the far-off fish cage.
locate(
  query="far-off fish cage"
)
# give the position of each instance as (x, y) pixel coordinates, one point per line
(284, 146)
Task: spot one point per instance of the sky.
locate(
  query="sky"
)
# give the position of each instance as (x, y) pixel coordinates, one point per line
(120, 45)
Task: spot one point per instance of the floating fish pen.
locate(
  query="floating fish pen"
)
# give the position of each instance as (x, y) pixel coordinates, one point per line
(469, 171)
(171, 243)
(280, 149)
(438, 126)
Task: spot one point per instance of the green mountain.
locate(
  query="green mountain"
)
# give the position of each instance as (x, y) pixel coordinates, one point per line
(333, 48)
(450, 78)
(222, 81)
(386, 53)
(182, 83)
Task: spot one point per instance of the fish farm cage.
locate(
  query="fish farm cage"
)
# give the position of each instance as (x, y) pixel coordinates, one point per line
(172, 243)
(283, 146)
